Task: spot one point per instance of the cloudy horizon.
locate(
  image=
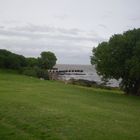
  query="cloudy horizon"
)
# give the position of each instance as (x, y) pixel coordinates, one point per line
(70, 29)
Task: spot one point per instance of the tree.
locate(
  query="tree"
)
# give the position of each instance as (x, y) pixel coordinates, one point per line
(10, 60)
(36, 67)
(119, 58)
(32, 62)
(47, 60)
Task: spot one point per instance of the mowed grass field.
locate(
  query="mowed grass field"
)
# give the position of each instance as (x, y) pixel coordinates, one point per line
(32, 109)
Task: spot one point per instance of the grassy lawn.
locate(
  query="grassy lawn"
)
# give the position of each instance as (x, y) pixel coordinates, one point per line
(31, 109)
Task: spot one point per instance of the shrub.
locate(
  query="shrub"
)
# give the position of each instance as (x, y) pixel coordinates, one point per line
(29, 71)
(36, 72)
(41, 73)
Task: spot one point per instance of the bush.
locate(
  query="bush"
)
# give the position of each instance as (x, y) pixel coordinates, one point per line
(41, 73)
(29, 71)
(36, 72)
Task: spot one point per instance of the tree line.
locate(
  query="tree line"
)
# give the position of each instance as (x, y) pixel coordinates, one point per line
(36, 67)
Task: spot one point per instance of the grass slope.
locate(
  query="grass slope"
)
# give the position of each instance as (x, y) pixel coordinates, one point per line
(31, 109)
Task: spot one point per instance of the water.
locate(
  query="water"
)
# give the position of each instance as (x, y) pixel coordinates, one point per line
(88, 73)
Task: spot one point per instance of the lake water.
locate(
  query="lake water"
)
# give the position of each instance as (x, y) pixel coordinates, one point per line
(88, 73)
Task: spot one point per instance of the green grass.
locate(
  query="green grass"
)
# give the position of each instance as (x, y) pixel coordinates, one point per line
(31, 109)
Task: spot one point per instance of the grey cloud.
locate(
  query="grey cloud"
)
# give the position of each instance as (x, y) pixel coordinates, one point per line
(65, 53)
(79, 58)
(60, 47)
(61, 17)
(1, 27)
(47, 29)
(68, 44)
(68, 28)
(40, 33)
(106, 15)
(103, 26)
(135, 18)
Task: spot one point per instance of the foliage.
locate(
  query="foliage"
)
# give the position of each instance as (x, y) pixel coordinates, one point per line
(11, 61)
(36, 72)
(119, 58)
(32, 62)
(47, 60)
(29, 71)
(42, 73)
(36, 67)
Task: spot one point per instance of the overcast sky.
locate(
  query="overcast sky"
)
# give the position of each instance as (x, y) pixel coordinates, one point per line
(69, 28)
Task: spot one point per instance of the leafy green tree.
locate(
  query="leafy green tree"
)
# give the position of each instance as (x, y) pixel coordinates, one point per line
(47, 60)
(10, 60)
(32, 62)
(3, 55)
(119, 58)
(36, 67)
